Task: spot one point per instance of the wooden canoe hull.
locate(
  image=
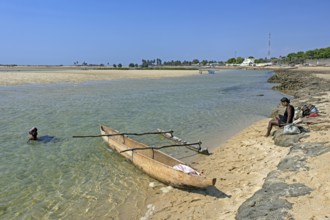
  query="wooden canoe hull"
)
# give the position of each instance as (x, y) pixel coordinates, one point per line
(154, 163)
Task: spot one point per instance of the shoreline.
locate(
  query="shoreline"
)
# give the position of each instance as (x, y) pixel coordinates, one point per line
(239, 172)
(18, 75)
(247, 164)
(32, 75)
(257, 178)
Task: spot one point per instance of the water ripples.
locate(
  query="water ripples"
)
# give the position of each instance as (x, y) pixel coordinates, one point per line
(80, 178)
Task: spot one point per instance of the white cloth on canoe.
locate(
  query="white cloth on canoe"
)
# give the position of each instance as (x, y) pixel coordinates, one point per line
(186, 169)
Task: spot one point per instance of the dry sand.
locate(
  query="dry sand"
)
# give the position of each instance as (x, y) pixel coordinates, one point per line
(240, 165)
(316, 205)
(39, 75)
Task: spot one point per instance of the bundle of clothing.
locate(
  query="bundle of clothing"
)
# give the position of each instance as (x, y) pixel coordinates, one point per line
(307, 110)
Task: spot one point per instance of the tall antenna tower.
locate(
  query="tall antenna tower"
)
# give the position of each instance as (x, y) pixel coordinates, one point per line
(269, 44)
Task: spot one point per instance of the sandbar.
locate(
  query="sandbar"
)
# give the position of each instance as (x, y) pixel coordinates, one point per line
(44, 75)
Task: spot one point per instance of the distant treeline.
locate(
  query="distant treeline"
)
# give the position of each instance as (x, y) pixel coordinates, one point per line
(323, 53)
(291, 58)
(195, 62)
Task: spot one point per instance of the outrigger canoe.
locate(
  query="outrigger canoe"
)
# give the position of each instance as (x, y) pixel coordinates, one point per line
(155, 163)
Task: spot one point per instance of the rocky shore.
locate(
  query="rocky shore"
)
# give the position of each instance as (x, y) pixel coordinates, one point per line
(272, 201)
(279, 177)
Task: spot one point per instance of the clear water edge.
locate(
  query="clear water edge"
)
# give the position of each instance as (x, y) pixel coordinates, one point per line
(80, 178)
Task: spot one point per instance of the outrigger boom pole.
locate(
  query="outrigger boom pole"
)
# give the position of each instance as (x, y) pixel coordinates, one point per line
(157, 148)
(121, 134)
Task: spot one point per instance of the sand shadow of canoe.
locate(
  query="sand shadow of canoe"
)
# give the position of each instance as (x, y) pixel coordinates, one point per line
(209, 191)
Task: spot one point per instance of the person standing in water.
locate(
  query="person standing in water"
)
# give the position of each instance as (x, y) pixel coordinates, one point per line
(33, 134)
(282, 120)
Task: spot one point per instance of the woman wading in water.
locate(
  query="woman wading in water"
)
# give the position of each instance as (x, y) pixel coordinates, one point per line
(282, 120)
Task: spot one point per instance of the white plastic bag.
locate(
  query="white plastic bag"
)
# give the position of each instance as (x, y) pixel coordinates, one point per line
(291, 129)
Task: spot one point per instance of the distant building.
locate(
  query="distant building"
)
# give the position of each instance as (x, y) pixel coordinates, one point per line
(264, 64)
(248, 62)
(232, 64)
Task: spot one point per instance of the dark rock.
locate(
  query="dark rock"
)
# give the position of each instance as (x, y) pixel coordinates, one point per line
(311, 149)
(268, 203)
(298, 83)
(286, 140)
(292, 163)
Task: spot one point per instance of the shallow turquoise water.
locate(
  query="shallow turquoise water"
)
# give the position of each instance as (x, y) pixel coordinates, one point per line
(73, 178)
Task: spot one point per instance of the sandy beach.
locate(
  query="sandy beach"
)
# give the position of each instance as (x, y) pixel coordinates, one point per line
(256, 178)
(43, 75)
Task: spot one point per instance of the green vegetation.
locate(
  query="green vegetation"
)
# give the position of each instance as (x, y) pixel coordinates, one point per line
(147, 63)
(237, 60)
(291, 59)
(323, 53)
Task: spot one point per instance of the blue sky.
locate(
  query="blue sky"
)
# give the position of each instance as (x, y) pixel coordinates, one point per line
(124, 31)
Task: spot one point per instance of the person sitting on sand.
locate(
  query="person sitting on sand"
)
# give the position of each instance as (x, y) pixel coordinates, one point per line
(282, 120)
(33, 134)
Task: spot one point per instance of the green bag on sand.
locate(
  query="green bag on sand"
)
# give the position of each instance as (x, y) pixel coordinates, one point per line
(291, 129)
